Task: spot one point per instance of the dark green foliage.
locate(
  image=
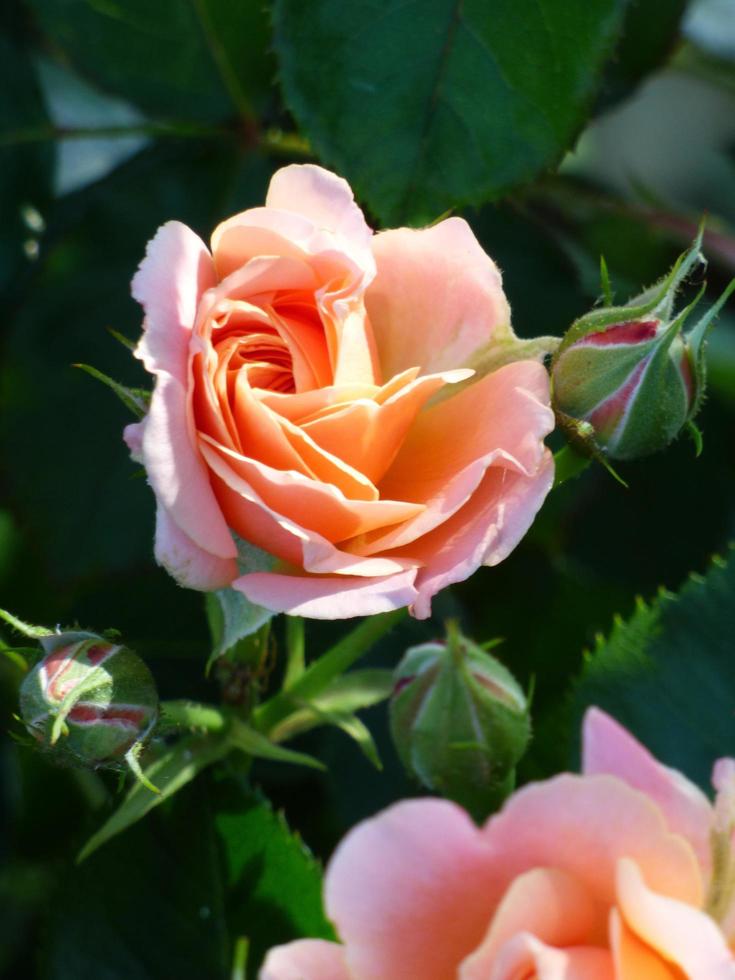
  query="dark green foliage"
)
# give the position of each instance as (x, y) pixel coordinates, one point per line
(431, 104)
(25, 164)
(667, 672)
(195, 60)
(170, 897)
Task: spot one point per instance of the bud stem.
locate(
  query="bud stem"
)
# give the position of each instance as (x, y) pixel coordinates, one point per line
(34, 632)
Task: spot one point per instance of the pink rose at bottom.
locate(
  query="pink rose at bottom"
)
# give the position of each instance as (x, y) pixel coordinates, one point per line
(626, 872)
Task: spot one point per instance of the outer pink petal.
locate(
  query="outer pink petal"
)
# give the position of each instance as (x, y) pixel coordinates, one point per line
(133, 436)
(169, 282)
(328, 596)
(436, 299)
(321, 196)
(483, 532)
(609, 748)
(176, 270)
(408, 892)
(305, 959)
(177, 472)
(583, 825)
(684, 935)
(189, 564)
(548, 903)
(526, 956)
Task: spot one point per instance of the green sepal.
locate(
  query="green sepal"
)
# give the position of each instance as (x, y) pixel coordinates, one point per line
(657, 301)
(697, 438)
(136, 400)
(131, 757)
(696, 340)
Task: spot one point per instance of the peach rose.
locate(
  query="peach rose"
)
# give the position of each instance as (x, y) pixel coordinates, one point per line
(351, 404)
(625, 872)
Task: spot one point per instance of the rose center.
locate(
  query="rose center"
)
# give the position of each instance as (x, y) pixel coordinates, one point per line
(261, 353)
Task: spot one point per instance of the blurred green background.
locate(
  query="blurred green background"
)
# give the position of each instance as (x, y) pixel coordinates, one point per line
(117, 116)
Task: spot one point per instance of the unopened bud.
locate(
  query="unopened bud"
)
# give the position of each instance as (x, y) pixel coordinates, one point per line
(626, 380)
(88, 700)
(459, 721)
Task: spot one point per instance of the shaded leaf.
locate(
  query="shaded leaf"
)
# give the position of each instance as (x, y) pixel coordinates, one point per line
(666, 672)
(172, 769)
(253, 743)
(427, 105)
(25, 169)
(232, 618)
(203, 59)
(271, 881)
(171, 897)
(648, 38)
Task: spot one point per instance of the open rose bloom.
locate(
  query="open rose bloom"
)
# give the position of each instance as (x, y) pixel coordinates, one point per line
(347, 402)
(624, 872)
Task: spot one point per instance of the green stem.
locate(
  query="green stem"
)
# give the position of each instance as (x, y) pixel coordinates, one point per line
(39, 134)
(240, 958)
(34, 632)
(295, 651)
(329, 666)
(278, 143)
(192, 715)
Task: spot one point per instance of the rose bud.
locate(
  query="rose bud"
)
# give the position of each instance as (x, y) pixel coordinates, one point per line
(89, 700)
(459, 721)
(626, 380)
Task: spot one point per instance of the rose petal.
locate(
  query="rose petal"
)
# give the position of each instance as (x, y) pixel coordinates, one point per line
(681, 933)
(633, 959)
(189, 564)
(526, 956)
(507, 410)
(305, 959)
(257, 523)
(324, 198)
(176, 269)
(609, 748)
(367, 434)
(548, 903)
(440, 280)
(320, 507)
(258, 232)
(483, 532)
(582, 825)
(133, 437)
(328, 596)
(177, 472)
(446, 500)
(408, 891)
